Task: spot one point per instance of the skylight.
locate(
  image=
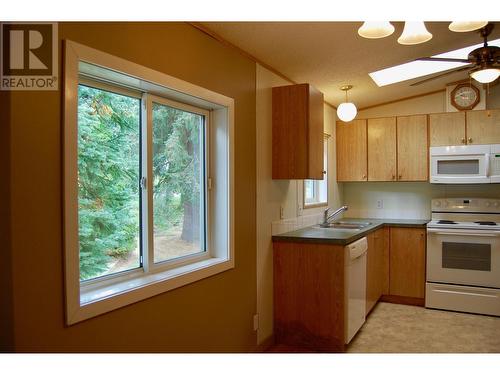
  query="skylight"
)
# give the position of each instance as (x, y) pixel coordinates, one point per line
(416, 69)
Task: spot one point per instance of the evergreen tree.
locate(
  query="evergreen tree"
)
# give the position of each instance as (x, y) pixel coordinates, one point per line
(108, 179)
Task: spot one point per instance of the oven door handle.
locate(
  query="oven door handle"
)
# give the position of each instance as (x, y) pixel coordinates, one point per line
(464, 233)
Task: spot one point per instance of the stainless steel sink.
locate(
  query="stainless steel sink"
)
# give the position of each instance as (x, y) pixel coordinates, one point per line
(353, 225)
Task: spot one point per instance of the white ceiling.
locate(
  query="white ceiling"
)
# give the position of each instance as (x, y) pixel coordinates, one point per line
(331, 54)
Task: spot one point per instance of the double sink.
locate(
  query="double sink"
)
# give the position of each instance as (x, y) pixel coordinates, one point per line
(344, 225)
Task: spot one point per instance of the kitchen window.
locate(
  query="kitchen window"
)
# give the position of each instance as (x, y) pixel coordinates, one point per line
(148, 183)
(316, 191)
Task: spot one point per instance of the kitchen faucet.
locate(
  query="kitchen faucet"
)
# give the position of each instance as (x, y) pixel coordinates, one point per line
(327, 218)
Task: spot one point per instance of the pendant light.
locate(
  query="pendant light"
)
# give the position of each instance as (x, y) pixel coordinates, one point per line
(414, 33)
(346, 111)
(375, 29)
(464, 26)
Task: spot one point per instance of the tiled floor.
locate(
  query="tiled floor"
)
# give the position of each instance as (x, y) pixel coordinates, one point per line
(392, 328)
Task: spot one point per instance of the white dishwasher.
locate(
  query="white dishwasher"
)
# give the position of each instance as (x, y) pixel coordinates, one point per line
(355, 287)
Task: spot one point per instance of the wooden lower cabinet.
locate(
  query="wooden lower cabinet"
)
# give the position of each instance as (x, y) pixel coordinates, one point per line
(395, 266)
(377, 267)
(309, 295)
(407, 262)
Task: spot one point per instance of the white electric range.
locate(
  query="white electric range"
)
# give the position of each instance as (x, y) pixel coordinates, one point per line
(463, 255)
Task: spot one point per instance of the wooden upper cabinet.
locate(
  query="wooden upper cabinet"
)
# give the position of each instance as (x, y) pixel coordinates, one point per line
(351, 151)
(407, 262)
(483, 127)
(413, 160)
(382, 149)
(447, 129)
(297, 132)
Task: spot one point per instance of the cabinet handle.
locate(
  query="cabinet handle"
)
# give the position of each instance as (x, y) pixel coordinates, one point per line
(363, 177)
(393, 177)
(324, 172)
(470, 140)
(400, 176)
(463, 140)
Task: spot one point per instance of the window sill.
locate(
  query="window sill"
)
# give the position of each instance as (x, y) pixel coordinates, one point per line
(315, 205)
(136, 286)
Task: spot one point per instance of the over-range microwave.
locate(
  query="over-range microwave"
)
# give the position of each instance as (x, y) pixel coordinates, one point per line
(478, 164)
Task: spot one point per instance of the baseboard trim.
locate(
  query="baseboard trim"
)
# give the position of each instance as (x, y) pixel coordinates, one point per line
(402, 300)
(265, 345)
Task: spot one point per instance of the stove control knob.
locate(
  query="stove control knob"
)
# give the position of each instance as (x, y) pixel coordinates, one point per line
(495, 204)
(487, 204)
(437, 203)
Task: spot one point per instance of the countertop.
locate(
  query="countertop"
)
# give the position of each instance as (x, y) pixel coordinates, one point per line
(313, 234)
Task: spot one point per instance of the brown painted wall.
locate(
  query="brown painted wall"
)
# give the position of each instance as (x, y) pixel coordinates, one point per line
(214, 314)
(6, 310)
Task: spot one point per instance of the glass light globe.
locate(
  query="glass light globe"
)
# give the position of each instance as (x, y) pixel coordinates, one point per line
(375, 29)
(465, 26)
(414, 33)
(347, 111)
(486, 75)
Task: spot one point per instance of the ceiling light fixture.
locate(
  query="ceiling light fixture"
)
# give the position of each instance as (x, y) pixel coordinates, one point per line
(486, 74)
(414, 33)
(346, 111)
(464, 26)
(375, 29)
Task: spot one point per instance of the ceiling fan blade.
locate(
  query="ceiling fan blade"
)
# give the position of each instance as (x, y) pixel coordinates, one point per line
(446, 59)
(441, 75)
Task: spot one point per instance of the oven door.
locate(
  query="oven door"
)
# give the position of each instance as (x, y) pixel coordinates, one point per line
(464, 257)
(459, 169)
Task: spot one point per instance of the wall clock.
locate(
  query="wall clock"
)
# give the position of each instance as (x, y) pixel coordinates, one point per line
(464, 96)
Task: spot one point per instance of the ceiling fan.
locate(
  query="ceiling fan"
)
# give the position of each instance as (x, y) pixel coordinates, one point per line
(485, 61)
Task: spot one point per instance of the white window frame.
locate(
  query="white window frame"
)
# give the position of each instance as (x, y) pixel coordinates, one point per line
(103, 294)
(306, 205)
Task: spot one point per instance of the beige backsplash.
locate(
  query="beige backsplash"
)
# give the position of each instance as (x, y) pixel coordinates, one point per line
(403, 200)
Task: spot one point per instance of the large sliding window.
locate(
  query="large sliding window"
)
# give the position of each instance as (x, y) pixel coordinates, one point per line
(147, 181)
(111, 231)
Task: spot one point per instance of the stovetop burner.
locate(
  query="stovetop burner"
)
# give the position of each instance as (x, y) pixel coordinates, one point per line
(485, 222)
(446, 222)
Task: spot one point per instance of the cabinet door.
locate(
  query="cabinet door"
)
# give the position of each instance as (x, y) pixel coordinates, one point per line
(447, 129)
(297, 132)
(382, 244)
(483, 127)
(382, 149)
(413, 149)
(377, 267)
(316, 134)
(407, 262)
(372, 278)
(351, 151)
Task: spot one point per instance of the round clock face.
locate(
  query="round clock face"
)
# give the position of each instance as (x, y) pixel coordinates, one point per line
(465, 97)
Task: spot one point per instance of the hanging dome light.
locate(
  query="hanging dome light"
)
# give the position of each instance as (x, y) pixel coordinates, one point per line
(346, 111)
(487, 74)
(414, 33)
(375, 29)
(464, 26)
